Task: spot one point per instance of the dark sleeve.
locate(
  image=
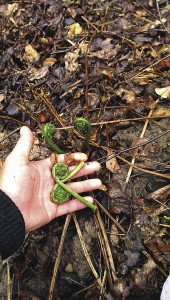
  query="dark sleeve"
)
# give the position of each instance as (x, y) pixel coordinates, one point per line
(12, 226)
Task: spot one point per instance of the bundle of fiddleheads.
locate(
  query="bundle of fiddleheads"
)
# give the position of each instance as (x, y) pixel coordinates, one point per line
(83, 126)
(60, 172)
(61, 192)
(48, 132)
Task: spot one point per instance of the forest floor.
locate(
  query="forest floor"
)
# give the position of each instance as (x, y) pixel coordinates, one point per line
(106, 61)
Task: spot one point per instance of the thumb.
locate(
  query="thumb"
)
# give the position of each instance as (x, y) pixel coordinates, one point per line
(23, 147)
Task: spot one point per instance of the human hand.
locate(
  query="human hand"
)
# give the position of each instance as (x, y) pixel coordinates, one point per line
(29, 183)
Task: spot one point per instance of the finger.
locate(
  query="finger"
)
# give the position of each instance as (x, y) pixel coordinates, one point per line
(23, 147)
(86, 185)
(70, 206)
(54, 158)
(88, 168)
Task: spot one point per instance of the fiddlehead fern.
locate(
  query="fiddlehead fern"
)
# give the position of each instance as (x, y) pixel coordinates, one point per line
(59, 195)
(75, 195)
(60, 170)
(83, 126)
(48, 132)
(61, 192)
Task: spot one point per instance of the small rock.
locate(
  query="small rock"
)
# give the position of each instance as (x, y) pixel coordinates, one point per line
(13, 110)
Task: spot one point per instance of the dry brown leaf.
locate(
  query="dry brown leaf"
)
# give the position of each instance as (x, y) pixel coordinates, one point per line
(2, 96)
(74, 29)
(141, 12)
(161, 112)
(127, 95)
(71, 63)
(84, 48)
(163, 92)
(158, 245)
(38, 74)
(49, 61)
(31, 54)
(107, 73)
(161, 194)
(11, 9)
(144, 150)
(119, 199)
(113, 166)
(158, 22)
(106, 53)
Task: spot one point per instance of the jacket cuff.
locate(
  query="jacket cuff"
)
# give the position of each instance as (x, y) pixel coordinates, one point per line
(12, 226)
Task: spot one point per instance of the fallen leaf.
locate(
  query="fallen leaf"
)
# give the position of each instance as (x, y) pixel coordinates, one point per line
(11, 9)
(84, 48)
(113, 166)
(141, 12)
(141, 275)
(49, 61)
(164, 64)
(158, 22)
(127, 95)
(165, 48)
(46, 41)
(157, 245)
(106, 53)
(163, 92)
(107, 73)
(31, 54)
(71, 63)
(119, 200)
(161, 194)
(148, 226)
(74, 29)
(38, 74)
(144, 150)
(161, 112)
(93, 100)
(2, 96)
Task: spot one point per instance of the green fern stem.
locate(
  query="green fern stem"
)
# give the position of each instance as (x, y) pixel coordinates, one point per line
(61, 192)
(48, 132)
(84, 127)
(75, 195)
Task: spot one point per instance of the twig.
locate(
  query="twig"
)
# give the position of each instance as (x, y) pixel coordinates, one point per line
(58, 257)
(144, 170)
(141, 136)
(116, 121)
(11, 133)
(85, 289)
(71, 88)
(110, 216)
(148, 66)
(86, 85)
(103, 249)
(43, 98)
(131, 148)
(160, 18)
(7, 118)
(103, 283)
(86, 252)
(109, 253)
(88, 22)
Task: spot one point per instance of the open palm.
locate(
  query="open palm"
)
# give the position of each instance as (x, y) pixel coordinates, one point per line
(29, 183)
